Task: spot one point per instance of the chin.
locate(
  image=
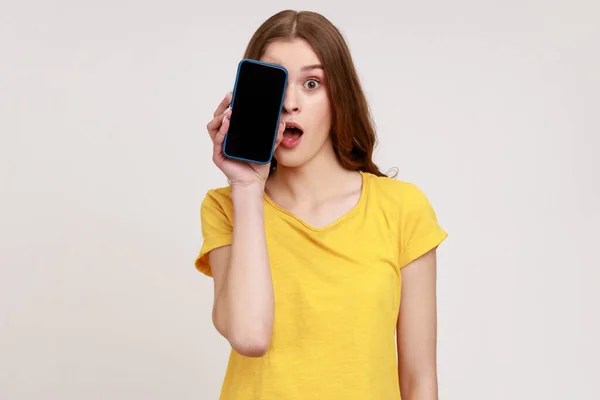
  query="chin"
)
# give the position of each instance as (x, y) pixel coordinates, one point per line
(289, 159)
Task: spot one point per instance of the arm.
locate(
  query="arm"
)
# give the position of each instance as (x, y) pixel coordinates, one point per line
(417, 330)
(243, 303)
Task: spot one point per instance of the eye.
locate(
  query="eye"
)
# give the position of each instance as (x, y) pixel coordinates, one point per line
(312, 84)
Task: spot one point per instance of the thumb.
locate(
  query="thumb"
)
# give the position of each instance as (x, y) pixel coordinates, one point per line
(280, 133)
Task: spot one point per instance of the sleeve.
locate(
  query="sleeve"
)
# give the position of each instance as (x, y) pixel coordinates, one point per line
(419, 228)
(217, 229)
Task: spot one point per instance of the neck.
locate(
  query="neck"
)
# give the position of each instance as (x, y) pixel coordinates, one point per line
(317, 180)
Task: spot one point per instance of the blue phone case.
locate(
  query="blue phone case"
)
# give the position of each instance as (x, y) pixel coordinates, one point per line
(278, 117)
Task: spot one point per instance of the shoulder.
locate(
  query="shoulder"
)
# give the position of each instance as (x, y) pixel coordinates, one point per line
(394, 192)
(399, 200)
(219, 195)
(407, 208)
(217, 199)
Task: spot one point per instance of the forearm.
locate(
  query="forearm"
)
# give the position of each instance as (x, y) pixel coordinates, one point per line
(420, 388)
(245, 305)
(417, 330)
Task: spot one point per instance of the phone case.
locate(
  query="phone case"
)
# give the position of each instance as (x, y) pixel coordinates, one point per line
(278, 118)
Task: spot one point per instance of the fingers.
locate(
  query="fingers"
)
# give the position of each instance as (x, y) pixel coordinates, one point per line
(215, 124)
(220, 134)
(218, 138)
(217, 128)
(223, 105)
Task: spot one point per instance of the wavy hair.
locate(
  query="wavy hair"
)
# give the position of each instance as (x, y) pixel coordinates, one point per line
(352, 128)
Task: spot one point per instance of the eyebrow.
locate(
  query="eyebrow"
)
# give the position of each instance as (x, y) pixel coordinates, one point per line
(305, 68)
(314, 66)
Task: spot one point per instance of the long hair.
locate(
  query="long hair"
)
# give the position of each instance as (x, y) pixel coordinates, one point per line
(352, 128)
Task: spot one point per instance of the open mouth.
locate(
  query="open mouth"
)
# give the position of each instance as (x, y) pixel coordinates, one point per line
(292, 131)
(291, 135)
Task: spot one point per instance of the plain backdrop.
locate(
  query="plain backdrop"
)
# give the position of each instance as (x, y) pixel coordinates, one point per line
(490, 107)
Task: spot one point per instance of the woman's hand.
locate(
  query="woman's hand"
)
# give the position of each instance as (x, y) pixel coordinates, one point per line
(238, 173)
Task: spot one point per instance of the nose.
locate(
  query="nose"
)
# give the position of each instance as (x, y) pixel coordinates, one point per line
(290, 102)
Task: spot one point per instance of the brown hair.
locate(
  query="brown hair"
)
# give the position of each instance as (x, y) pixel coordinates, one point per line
(353, 131)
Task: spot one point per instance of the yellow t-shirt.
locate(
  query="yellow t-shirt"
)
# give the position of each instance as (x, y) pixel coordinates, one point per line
(337, 294)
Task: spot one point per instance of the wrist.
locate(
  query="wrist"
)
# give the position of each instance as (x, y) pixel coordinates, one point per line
(248, 202)
(247, 192)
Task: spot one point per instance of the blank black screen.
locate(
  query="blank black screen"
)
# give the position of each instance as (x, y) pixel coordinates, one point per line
(255, 112)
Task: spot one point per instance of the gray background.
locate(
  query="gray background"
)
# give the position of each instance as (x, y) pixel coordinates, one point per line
(490, 107)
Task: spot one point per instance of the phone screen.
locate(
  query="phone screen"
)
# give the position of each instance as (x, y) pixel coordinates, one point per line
(256, 108)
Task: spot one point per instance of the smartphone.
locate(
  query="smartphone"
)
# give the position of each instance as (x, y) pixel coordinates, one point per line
(256, 107)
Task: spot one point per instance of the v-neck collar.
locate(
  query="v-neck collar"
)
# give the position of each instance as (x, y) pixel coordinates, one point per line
(355, 209)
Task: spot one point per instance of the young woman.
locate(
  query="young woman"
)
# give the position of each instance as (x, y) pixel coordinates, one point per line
(324, 268)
